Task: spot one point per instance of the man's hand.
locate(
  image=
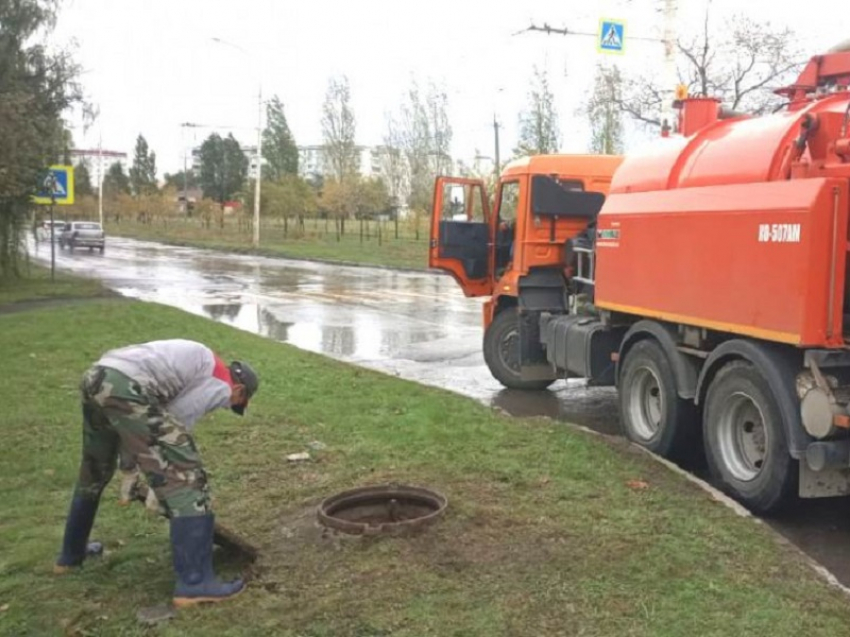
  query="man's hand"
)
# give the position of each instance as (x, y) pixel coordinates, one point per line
(133, 488)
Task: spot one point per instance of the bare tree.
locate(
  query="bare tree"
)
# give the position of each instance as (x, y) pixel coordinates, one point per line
(393, 163)
(606, 120)
(423, 133)
(741, 63)
(340, 152)
(539, 132)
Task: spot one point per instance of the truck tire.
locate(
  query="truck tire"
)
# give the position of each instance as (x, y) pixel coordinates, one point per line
(745, 441)
(501, 352)
(651, 412)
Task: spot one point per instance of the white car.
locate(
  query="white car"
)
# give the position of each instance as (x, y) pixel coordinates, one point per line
(83, 234)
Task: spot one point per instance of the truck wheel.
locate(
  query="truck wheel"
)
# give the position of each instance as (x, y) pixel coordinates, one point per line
(501, 352)
(651, 411)
(745, 442)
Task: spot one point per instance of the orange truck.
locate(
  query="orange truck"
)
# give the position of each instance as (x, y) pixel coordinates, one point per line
(705, 278)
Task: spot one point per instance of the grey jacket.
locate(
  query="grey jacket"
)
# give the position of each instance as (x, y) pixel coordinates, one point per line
(187, 377)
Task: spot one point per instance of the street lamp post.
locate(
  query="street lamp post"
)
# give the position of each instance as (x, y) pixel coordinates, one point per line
(186, 149)
(668, 115)
(259, 160)
(496, 143)
(259, 177)
(496, 127)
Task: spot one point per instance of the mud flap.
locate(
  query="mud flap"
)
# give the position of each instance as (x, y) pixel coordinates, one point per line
(532, 356)
(540, 290)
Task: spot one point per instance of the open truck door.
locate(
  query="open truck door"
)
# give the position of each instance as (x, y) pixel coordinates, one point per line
(461, 234)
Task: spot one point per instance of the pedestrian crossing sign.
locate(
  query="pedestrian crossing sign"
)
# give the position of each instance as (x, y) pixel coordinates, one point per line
(56, 185)
(611, 36)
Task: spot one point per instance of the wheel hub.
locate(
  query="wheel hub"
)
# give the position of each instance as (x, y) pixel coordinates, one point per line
(646, 401)
(742, 437)
(508, 350)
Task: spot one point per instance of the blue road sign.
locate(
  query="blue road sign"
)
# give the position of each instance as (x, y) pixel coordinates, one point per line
(611, 36)
(56, 185)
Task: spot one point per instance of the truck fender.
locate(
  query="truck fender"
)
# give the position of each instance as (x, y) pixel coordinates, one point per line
(685, 368)
(779, 366)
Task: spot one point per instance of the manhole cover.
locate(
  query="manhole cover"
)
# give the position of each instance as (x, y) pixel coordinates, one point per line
(382, 510)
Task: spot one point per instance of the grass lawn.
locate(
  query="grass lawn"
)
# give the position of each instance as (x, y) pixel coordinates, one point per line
(36, 285)
(549, 531)
(404, 252)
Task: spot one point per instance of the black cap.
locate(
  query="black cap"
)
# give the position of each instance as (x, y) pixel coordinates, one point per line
(242, 374)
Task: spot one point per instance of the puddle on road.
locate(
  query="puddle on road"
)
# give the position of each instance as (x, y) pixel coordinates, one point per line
(351, 337)
(593, 407)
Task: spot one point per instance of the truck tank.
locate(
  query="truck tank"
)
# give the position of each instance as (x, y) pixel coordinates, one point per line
(739, 223)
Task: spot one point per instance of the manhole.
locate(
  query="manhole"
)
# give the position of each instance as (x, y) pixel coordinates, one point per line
(382, 510)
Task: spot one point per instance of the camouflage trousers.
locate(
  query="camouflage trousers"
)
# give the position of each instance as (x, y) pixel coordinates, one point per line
(121, 419)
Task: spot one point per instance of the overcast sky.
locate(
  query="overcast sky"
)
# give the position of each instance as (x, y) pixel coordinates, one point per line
(151, 64)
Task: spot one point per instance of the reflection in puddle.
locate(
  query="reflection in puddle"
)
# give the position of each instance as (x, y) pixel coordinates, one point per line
(361, 339)
(221, 311)
(592, 407)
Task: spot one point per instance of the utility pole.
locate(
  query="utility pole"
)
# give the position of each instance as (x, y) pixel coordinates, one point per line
(259, 177)
(259, 139)
(668, 116)
(184, 126)
(185, 182)
(496, 142)
(100, 179)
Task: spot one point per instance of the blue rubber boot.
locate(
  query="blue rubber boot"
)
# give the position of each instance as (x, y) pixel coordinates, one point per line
(75, 545)
(192, 545)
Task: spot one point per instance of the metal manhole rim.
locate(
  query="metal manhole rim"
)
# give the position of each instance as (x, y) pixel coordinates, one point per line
(429, 497)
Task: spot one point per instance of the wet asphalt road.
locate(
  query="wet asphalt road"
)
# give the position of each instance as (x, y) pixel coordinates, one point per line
(417, 326)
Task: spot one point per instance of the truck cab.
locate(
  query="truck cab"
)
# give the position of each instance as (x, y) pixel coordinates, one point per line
(517, 246)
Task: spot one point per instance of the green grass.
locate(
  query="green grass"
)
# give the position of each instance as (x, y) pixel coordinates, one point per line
(36, 285)
(543, 535)
(315, 242)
